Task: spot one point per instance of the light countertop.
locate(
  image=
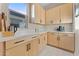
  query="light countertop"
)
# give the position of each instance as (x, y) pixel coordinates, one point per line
(26, 34)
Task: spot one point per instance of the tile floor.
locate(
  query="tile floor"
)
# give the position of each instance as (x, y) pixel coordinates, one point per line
(52, 51)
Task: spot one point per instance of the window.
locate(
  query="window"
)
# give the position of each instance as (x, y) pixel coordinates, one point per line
(18, 15)
(32, 13)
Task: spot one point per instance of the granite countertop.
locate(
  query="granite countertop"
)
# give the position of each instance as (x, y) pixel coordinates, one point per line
(17, 36)
(26, 34)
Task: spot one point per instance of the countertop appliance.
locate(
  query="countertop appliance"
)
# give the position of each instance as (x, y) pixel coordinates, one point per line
(60, 28)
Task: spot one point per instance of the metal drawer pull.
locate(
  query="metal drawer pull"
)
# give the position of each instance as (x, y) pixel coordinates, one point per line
(34, 37)
(28, 47)
(19, 41)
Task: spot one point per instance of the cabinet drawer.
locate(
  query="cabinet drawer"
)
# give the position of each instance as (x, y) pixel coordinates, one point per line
(66, 35)
(12, 43)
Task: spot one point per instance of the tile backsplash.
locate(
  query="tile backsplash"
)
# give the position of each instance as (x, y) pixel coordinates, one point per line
(67, 27)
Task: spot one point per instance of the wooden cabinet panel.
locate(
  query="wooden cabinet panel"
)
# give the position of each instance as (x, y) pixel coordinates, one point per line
(42, 41)
(67, 41)
(53, 16)
(16, 51)
(66, 13)
(60, 14)
(37, 13)
(52, 39)
(1, 48)
(32, 47)
(42, 16)
(12, 43)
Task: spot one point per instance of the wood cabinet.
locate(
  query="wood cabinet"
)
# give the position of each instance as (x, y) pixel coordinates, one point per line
(53, 16)
(62, 40)
(52, 39)
(23, 47)
(16, 51)
(66, 41)
(1, 48)
(39, 14)
(32, 47)
(42, 41)
(43, 21)
(66, 13)
(60, 14)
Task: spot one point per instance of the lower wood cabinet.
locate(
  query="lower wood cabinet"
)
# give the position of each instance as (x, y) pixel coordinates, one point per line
(52, 39)
(42, 41)
(32, 47)
(29, 48)
(1, 48)
(16, 51)
(65, 41)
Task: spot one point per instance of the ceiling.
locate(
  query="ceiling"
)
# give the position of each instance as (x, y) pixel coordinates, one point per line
(49, 5)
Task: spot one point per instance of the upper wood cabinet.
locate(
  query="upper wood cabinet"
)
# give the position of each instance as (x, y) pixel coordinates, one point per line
(37, 14)
(60, 14)
(53, 16)
(66, 13)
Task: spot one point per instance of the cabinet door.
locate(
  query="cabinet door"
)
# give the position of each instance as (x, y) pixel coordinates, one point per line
(1, 48)
(66, 13)
(19, 50)
(34, 47)
(37, 13)
(49, 17)
(42, 42)
(66, 41)
(42, 16)
(53, 16)
(52, 39)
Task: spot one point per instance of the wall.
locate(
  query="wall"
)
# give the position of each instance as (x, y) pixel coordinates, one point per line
(76, 43)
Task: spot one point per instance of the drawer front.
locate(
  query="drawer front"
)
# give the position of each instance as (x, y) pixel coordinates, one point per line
(66, 35)
(12, 43)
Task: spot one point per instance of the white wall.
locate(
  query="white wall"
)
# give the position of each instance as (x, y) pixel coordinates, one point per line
(76, 43)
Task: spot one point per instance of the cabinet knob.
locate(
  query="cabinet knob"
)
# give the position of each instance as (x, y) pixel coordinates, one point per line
(40, 21)
(51, 21)
(38, 41)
